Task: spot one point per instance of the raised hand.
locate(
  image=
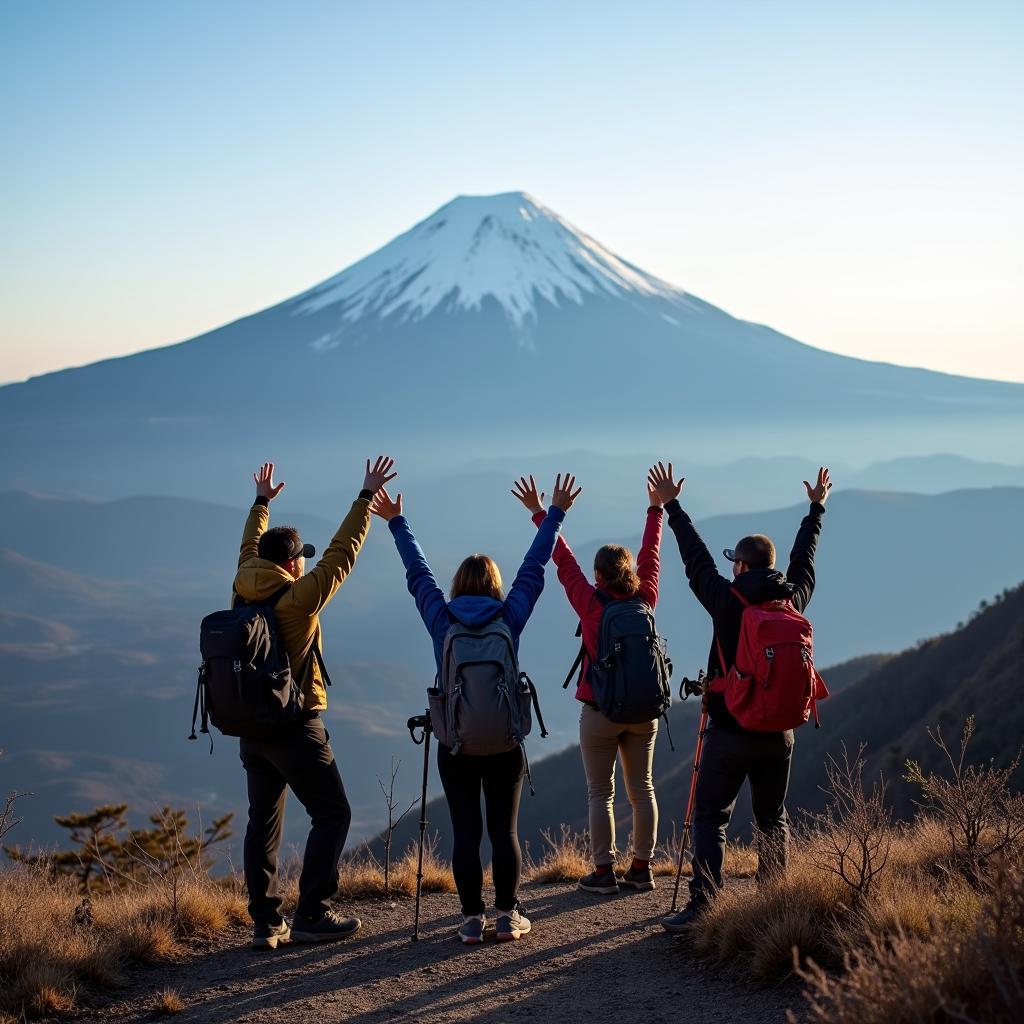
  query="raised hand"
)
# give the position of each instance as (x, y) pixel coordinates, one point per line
(820, 491)
(264, 478)
(526, 492)
(563, 495)
(661, 484)
(377, 477)
(384, 506)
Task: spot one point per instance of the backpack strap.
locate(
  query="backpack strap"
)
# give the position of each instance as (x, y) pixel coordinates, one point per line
(604, 600)
(577, 664)
(316, 652)
(528, 682)
(735, 591)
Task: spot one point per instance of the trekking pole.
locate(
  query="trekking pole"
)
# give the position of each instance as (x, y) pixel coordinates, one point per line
(700, 686)
(421, 722)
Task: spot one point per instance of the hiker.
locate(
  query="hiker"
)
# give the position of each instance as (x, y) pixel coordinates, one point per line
(476, 600)
(616, 580)
(732, 753)
(299, 756)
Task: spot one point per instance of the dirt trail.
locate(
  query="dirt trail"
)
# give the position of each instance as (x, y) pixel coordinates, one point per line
(588, 959)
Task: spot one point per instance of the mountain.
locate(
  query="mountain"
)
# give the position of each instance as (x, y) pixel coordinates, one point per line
(885, 702)
(490, 328)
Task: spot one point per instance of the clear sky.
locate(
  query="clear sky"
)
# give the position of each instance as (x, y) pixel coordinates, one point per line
(848, 173)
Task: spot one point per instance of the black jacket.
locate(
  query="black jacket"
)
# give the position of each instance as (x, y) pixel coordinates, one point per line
(714, 591)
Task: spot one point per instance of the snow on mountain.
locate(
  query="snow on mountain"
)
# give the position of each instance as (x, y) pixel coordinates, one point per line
(507, 246)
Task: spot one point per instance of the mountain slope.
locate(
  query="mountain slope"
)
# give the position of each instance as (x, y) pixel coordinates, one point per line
(492, 311)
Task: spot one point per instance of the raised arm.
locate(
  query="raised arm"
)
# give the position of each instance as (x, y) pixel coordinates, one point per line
(578, 589)
(259, 515)
(430, 601)
(321, 583)
(801, 559)
(648, 561)
(711, 588)
(529, 581)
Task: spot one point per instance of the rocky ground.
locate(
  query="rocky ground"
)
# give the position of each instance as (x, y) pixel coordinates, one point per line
(593, 959)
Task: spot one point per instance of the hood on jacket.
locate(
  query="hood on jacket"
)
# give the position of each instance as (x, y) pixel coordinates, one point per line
(257, 579)
(759, 585)
(474, 610)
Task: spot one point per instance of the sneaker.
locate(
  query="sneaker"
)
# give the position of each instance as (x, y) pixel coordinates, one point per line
(511, 926)
(472, 930)
(330, 927)
(638, 878)
(599, 881)
(678, 923)
(267, 936)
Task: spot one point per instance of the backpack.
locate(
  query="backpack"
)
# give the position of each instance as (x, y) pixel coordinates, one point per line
(630, 675)
(245, 686)
(481, 703)
(773, 684)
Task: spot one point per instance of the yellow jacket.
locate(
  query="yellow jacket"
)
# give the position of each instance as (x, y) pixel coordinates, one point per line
(298, 611)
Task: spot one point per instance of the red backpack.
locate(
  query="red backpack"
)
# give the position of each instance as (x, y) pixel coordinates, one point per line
(773, 684)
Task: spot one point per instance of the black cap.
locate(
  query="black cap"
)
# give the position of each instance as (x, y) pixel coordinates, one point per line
(303, 550)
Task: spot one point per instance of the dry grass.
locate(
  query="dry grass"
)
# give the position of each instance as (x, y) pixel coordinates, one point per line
(52, 944)
(566, 858)
(971, 973)
(362, 876)
(811, 913)
(763, 926)
(168, 1003)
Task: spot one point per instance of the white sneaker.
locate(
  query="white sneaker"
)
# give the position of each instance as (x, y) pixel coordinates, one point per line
(472, 930)
(511, 925)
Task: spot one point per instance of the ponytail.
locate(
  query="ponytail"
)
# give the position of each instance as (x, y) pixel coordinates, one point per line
(614, 564)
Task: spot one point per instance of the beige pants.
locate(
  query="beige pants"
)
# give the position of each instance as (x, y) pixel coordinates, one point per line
(600, 740)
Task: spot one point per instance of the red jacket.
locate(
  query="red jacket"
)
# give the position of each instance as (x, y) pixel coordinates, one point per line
(582, 593)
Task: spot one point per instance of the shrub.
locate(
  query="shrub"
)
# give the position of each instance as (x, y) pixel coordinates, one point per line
(975, 805)
(971, 974)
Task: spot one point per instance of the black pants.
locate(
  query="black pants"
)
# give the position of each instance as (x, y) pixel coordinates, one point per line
(301, 758)
(500, 776)
(729, 758)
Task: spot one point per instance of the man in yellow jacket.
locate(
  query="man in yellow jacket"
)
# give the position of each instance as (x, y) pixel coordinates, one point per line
(299, 756)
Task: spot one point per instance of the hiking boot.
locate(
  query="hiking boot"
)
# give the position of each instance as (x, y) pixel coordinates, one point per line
(599, 881)
(472, 930)
(328, 928)
(641, 879)
(267, 936)
(511, 926)
(679, 923)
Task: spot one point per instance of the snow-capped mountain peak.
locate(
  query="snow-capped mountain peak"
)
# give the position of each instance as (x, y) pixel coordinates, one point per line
(509, 247)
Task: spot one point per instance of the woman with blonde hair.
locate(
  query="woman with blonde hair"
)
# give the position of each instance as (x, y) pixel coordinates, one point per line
(476, 599)
(616, 578)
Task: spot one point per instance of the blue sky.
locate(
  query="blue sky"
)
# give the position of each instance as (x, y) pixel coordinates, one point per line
(846, 173)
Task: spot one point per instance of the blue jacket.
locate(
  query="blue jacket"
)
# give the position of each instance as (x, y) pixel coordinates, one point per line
(469, 609)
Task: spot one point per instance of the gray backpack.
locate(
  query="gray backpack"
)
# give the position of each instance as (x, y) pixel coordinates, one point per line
(482, 702)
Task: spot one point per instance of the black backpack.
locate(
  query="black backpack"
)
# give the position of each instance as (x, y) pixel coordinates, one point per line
(630, 674)
(246, 687)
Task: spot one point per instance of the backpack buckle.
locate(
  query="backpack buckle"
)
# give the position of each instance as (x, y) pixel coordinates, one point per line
(237, 666)
(769, 653)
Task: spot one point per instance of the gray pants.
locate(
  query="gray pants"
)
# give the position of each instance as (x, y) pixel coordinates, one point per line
(728, 760)
(301, 758)
(600, 740)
